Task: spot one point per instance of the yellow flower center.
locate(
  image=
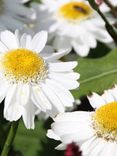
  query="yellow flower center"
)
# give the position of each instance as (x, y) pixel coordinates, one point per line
(105, 121)
(23, 64)
(107, 116)
(75, 11)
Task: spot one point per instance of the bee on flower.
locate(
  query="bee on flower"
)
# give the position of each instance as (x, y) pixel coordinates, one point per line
(71, 24)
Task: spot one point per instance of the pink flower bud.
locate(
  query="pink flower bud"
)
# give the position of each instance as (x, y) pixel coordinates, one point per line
(72, 150)
(99, 2)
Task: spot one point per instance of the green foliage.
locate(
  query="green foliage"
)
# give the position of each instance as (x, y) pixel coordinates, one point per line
(96, 74)
(36, 1)
(28, 142)
(34, 142)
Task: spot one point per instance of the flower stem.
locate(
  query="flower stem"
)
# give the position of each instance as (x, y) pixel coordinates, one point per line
(10, 138)
(111, 30)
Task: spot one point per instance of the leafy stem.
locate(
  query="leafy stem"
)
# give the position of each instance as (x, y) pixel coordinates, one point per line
(10, 138)
(111, 30)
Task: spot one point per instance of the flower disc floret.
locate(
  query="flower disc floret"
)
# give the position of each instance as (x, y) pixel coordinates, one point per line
(23, 64)
(75, 11)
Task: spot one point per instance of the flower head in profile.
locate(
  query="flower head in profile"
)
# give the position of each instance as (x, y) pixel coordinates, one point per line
(95, 132)
(32, 79)
(14, 15)
(72, 24)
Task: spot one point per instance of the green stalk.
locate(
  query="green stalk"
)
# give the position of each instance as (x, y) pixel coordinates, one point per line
(10, 138)
(111, 30)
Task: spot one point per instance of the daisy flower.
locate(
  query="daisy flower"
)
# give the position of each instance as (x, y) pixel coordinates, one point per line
(95, 132)
(71, 24)
(32, 79)
(14, 15)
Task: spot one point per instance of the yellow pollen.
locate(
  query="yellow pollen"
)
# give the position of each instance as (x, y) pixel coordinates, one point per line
(106, 117)
(22, 64)
(75, 11)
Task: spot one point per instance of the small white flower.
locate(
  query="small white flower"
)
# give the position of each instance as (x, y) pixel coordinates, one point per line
(72, 23)
(31, 78)
(14, 15)
(95, 132)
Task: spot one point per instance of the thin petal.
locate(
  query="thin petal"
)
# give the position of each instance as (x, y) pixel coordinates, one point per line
(96, 101)
(39, 41)
(41, 101)
(58, 55)
(23, 94)
(9, 39)
(62, 66)
(29, 115)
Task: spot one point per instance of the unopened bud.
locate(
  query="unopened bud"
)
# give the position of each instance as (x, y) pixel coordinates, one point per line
(99, 2)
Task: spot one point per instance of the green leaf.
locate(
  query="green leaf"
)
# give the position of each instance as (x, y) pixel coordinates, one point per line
(35, 142)
(36, 1)
(29, 142)
(96, 74)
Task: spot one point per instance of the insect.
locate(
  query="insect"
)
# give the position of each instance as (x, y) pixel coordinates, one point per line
(78, 8)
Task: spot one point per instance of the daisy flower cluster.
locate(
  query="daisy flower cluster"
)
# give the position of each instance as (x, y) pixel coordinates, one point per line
(38, 74)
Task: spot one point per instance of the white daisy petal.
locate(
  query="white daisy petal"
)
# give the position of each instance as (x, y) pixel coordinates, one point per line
(23, 41)
(61, 147)
(9, 39)
(107, 97)
(75, 116)
(42, 102)
(28, 41)
(65, 96)
(96, 101)
(29, 115)
(23, 94)
(97, 147)
(3, 48)
(67, 75)
(51, 134)
(58, 55)
(12, 110)
(39, 41)
(3, 87)
(69, 84)
(53, 98)
(10, 96)
(113, 92)
(109, 149)
(62, 66)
